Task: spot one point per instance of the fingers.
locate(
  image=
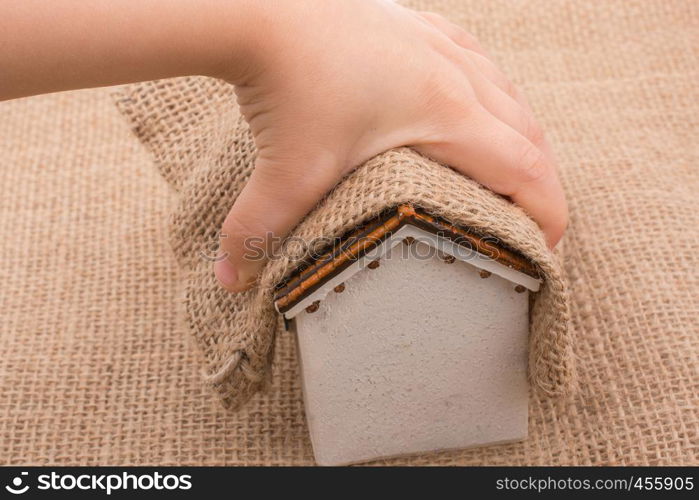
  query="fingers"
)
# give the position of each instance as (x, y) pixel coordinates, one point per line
(512, 156)
(477, 56)
(456, 33)
(507, 109)
(277, 196)
(513, 112)
(488, 70)
(496, 141)
(546, 203)
(497, 156)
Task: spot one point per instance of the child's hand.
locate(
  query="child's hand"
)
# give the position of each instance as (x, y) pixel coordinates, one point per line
(325, 85)
(333, 83)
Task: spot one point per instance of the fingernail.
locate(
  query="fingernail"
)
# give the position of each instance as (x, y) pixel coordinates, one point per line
(226, 274)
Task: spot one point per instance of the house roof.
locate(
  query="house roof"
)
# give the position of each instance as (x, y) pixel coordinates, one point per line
(318, 272)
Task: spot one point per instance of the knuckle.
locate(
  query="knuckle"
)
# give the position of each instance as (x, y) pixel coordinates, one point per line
(287, 180)
(489, 68)
(465, 39)
(509, 88)
(532, 165)
(238, 228)
(444, 94)
(246, 239)
(432, 16)
(534, 132)
(301, 177)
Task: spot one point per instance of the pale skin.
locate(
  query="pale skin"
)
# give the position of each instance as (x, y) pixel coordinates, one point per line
(361, 76)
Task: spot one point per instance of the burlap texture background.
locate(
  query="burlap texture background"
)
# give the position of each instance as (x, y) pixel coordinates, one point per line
(98, 368)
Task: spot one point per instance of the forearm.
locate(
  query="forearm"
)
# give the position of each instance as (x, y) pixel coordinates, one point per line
(67, 44)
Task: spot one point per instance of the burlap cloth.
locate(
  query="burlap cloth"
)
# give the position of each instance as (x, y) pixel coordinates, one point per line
(98, 367)
(175, 118)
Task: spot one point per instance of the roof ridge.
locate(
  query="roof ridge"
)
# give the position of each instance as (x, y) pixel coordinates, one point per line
(368, 236)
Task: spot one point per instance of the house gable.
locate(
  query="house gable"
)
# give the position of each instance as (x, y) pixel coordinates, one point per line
(366, 246)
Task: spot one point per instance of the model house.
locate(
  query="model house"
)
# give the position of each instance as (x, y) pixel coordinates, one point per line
(412, 334)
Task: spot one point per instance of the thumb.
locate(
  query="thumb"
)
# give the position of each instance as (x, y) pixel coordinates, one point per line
(275, 199)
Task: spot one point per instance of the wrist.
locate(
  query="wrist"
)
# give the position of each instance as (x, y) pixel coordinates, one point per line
(239, 31)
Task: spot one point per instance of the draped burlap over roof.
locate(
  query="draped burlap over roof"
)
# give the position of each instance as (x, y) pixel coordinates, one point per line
(97, 363)
(176, 118)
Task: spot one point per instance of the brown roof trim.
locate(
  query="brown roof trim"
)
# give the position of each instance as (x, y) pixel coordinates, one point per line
(307, 280)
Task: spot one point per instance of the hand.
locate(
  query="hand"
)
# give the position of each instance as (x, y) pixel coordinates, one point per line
(337, 82)
(360, 76)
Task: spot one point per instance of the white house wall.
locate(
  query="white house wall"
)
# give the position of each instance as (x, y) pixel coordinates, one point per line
(413, 356)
